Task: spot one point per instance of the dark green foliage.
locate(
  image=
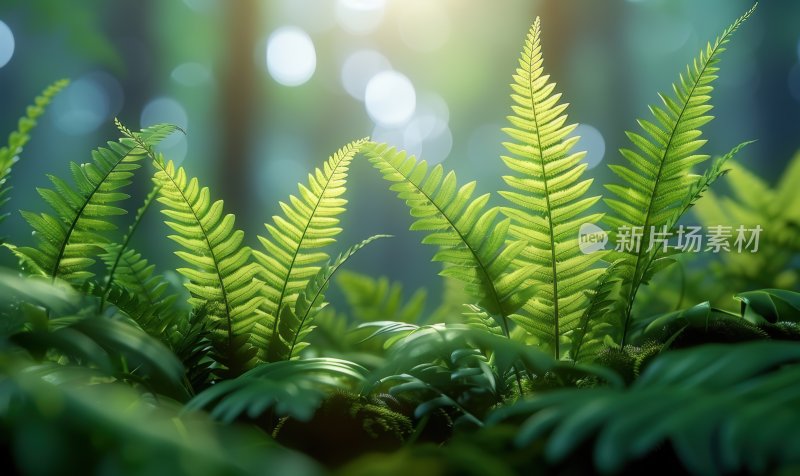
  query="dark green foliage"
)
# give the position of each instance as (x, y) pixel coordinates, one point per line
(723, 409)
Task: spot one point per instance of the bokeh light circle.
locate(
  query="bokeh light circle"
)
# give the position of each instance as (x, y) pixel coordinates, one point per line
(291, 56)
(358, 68)
(6, 44)
(360, 17)
(390, 98)
(591, 141)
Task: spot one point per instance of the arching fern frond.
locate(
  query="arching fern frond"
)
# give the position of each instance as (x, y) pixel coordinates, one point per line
(472, 244)
(67, 240)
(654, 184)
(9, 154)
(296, 321)
(292, 254)
(221, 277)
(548, 203)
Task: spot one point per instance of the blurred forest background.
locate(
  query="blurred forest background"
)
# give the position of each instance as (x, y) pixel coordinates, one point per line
(268, 89)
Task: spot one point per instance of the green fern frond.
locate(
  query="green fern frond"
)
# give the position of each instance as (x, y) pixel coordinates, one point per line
(221, 276)
(548, 205)
(373, 299)
(140, 294)
(654, 184)
(472, 245)
(297, 322)
(597, 320)
(9, 154)
(68, 240)
(292, 255)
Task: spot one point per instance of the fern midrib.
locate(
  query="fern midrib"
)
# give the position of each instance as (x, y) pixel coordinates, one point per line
(300, 245)
(79, 214)
(640, 253)
(551, 230)
(481, 265)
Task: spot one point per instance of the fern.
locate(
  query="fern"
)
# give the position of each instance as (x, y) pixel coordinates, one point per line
(67, 240)
(297, 322)
(221, 278)
(548, 207)
(370, 299)
(471, 243)
(654, 185)
(17, 140)
(753, 202)
(724, 409)
(292, 253)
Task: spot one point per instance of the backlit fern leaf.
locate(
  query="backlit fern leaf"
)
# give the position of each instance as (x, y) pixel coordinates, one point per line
(292, 255)
(297, 321)
(221, 278)
(9, 154)
(655, 183)
(379, 299)
(67, 241)
(472, 245)
(548, 205)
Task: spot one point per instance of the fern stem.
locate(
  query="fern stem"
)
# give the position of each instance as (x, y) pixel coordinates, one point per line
(549, 213)
(126, 241)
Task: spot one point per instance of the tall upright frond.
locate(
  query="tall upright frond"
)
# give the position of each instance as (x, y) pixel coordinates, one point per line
(292, 251)
(654, 184)
(472, 243)
(547, 201)
(68, 240)
(9, 154)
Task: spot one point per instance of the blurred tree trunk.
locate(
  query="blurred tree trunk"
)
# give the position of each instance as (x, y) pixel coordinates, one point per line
(237, 95)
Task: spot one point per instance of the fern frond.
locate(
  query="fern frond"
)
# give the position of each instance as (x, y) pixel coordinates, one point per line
(221, 276)
(140, 294)
(472, 245)
(293, 388)
(297, 322)
(596, 321)
(659, 173)
(292, 255)
(68, 240)
(372, 299)
(548, 203)
(9, 154)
